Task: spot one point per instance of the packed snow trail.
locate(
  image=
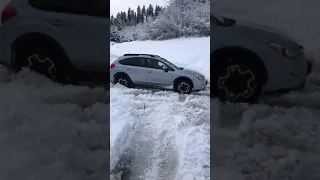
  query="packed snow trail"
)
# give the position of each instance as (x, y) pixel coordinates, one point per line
(160, 147)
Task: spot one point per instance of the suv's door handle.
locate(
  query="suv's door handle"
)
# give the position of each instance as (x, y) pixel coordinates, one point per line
(128, 69)
(57, 23)
(149, 71)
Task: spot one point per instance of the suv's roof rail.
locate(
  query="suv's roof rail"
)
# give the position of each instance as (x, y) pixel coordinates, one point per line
(151, 55)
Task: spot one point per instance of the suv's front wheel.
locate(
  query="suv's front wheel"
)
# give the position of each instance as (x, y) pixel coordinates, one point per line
(183, 86)
(238, 81)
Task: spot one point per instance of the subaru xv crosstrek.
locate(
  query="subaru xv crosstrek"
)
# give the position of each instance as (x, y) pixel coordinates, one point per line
(249, 59)
(156, 72)
(56, 38)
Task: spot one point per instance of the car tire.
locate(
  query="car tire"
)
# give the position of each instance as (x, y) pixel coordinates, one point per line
(237, 81)
(183, 86)
(124, 80)
(44, 60)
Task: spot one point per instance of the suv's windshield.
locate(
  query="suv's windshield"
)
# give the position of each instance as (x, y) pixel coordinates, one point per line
(169, 63)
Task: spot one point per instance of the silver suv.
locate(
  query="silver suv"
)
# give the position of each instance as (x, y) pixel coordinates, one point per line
(56, 38)
(249, 59)
(152, 70)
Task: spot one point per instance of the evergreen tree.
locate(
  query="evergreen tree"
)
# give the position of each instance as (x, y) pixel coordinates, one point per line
(143, 13)
(124, 18)
(157, 11)
(112, 19)
(135, 19)
(139, 15)
(150, 11)
(129, 17)
(114, 34)
(132, 20)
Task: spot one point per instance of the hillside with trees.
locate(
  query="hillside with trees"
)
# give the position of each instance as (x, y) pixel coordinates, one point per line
(179, 18)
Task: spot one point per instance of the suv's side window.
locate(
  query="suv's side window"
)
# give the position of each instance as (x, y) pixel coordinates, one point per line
(135, 61)
(155, 64)
(89, 8)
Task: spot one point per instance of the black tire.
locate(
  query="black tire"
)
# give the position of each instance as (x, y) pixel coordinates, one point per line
(183, 86)
(124, 80)
(237, 80)
(44, 60)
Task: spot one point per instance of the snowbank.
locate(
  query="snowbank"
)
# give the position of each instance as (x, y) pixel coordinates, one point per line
(49, 131)
(270, 143)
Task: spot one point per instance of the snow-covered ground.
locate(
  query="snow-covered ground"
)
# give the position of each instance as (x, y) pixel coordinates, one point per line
(280, 137)
(49, 131)
(161, 134)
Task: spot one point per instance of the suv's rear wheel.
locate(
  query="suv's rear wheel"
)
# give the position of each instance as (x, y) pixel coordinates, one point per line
(237, 80)
(124, 80)
(183, 86)
(44, 60)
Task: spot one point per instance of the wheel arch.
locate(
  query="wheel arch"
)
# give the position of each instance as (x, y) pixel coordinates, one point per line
(120, 74)
(183, 78)
(215, 58)
(35, 37)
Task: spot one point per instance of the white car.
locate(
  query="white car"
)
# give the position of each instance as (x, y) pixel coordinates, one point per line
(154, 71)
(248, 59)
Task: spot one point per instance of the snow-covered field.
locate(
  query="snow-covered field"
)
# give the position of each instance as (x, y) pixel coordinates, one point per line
(161, 135)
(280, 137)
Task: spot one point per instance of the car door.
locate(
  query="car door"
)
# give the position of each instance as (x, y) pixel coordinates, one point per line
(81, 28)
(156, 75)
(135, 67)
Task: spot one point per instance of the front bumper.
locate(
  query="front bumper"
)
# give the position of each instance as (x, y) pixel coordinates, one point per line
(200, 85)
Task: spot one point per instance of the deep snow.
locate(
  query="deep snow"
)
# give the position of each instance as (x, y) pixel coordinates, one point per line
(169, 135)
(49, 131)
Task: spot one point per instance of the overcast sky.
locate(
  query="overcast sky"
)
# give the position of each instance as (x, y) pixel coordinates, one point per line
(123, 5)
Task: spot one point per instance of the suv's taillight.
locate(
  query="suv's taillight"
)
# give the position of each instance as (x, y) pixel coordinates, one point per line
(112, 66)
(7, 14)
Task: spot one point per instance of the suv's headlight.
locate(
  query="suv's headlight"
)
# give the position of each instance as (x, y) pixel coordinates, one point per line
(291, 53)
(200, 77)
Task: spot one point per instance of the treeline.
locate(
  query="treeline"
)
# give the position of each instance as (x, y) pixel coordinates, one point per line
(133, 17)
(179, 18)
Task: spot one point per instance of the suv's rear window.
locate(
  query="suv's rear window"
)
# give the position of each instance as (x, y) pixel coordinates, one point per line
(134, 61)
(82, 7)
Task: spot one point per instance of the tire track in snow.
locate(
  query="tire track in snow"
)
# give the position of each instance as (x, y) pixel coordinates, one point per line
(153, 148)
(158, 146)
